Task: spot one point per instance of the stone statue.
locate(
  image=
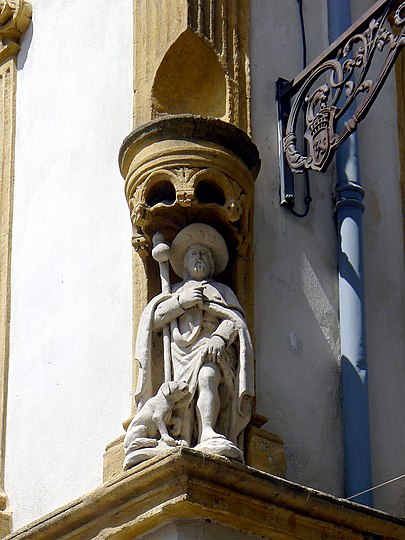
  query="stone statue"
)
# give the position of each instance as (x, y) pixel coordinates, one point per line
(208, 347)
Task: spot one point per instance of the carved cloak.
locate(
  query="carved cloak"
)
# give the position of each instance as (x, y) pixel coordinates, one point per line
(220, 302)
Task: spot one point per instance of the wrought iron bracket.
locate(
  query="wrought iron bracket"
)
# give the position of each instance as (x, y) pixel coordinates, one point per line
(325, 92)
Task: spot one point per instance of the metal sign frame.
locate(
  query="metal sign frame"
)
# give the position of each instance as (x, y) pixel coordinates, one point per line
(324, 91)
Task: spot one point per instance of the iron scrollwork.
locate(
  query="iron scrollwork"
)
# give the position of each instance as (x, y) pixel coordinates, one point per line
(345, 79)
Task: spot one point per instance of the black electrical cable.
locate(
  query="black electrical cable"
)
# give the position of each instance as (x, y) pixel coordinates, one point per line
(307, 198)
(303, 37)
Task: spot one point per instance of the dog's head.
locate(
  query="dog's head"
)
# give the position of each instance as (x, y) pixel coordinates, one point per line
(174, 391)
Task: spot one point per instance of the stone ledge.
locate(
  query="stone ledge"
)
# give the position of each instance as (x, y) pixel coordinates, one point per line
(264, 451)
(186, 484)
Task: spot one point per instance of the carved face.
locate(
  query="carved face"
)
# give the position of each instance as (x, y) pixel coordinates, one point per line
(198, 262)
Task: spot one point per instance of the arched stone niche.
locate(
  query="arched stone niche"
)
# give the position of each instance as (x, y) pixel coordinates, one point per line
(192, 57)
(183, 169)
(190, 79)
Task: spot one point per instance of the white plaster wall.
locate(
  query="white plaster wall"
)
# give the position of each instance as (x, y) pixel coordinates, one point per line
(296, 329)
(70, 360)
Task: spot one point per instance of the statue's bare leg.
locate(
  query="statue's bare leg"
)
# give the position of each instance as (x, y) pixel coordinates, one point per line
(208, 402)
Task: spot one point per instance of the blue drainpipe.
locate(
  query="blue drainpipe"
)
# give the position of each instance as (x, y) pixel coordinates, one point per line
(349, 213)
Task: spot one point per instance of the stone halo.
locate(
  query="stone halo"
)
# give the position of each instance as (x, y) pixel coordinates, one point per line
(198, 233)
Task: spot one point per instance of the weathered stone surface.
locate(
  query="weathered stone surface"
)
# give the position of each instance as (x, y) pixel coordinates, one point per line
(264, 451)
(190, 126)
(184, 484)
(186, 529)
(199, 64)
(113, 459)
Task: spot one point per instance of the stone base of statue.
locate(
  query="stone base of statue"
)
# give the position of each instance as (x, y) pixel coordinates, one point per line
(263, 451)
(145, 449)
(148, 448)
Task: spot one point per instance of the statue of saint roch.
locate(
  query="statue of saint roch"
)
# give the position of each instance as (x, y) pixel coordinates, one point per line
(199, 392)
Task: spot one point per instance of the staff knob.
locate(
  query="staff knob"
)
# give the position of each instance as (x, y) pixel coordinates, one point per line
(161, 249)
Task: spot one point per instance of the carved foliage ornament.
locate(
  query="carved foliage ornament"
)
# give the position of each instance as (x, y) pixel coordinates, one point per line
(15, 18)
(345, 79)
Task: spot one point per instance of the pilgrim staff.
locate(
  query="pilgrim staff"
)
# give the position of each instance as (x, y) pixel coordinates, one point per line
(161, 253)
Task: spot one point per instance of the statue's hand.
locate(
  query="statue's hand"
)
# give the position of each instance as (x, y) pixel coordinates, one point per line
(215, 348)
(191, 296)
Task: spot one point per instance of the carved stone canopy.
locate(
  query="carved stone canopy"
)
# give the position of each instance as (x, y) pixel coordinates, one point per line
(185, 168)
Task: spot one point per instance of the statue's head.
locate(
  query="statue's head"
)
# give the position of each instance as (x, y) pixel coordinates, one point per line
(198, 262)
(198, 252)
(174, 391)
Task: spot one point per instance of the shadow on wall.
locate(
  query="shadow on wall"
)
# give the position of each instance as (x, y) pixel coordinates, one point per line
(25, 46)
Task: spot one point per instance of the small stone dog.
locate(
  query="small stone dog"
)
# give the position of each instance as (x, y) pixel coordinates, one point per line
(155, 417)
